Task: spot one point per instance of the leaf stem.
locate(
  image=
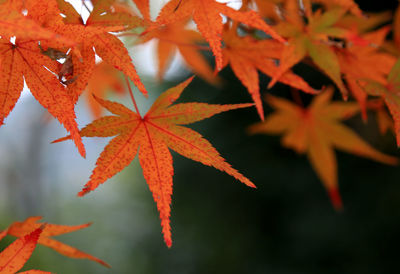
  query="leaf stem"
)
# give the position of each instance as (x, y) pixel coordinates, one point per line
(132, 97)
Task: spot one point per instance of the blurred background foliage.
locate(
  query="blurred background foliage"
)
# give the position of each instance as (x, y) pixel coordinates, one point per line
(286, 225)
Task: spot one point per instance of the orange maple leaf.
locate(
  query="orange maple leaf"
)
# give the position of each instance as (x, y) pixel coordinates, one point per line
(19, 229)
(23, 60)
(16, 254)
(207, 16)
(157, 131)
(316, 131)
(246, 55)
(106, 16)
(108, 46)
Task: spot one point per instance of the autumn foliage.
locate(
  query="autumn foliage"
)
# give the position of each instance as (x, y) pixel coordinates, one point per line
(50, 48)
(30, 233)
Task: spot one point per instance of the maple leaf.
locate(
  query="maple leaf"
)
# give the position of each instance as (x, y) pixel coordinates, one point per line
(19, 229)
(161, 128)
(316, 130)
(246, 55)
(311, 40)
(16, 254)
(24, 61)
(207, 16)
(106, 16)
(390, 93)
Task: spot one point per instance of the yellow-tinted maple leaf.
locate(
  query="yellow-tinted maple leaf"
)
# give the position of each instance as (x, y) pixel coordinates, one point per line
(104, 77)
(19, 229)
(207, 16)
(161, 128)
(246, 55)
(390, 93)
(311, 40)
(316, 131)
(16, 254)
(24, 61)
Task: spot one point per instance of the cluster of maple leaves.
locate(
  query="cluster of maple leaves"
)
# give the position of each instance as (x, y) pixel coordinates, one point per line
(47, 45)
(30, 233)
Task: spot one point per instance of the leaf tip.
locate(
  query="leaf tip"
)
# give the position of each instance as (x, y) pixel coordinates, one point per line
(260, 113)
(83, 192)
(168, 242)
(59, 140)
(190, 79)
(272, 82)
(335, 198)
(82, 152)
(104, 263)
(250, 184)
